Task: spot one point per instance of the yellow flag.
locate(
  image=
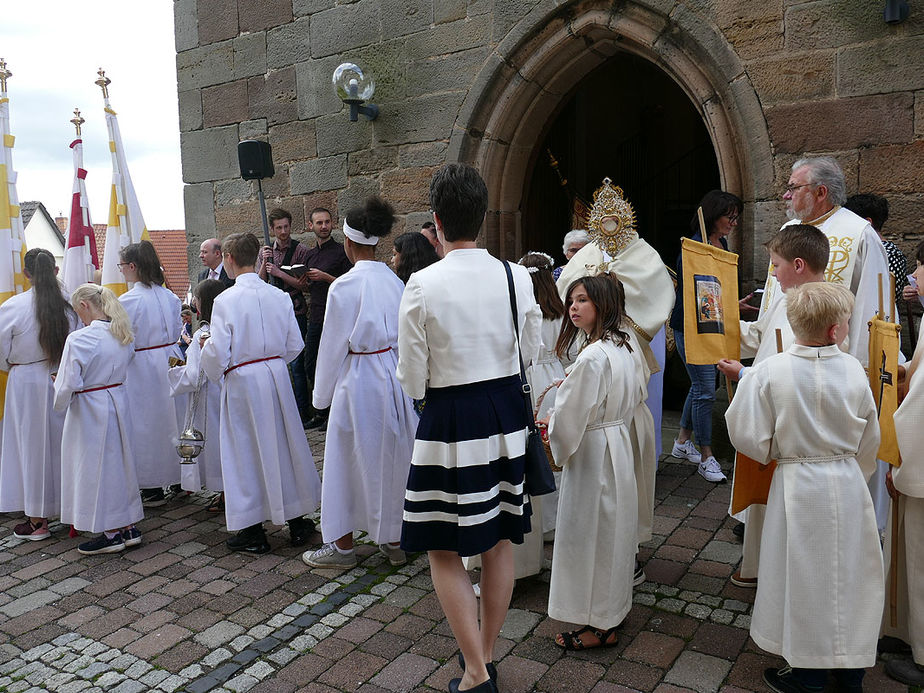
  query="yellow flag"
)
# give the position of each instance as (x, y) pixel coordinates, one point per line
(710, 303)
(883, 380)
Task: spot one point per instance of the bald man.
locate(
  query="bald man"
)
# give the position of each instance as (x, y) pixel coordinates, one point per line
(210, 255)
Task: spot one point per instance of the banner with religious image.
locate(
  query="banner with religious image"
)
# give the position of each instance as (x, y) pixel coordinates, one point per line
(883, 380)
(710, 303)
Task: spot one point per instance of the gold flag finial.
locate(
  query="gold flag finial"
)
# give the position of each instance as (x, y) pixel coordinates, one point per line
(77, 120)
(103, 82)
(4, 74)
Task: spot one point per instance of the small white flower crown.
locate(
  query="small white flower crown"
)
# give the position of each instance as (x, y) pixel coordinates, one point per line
(548, 258)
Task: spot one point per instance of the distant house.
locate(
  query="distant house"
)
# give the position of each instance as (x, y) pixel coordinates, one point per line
(171, 249)
(41, 230)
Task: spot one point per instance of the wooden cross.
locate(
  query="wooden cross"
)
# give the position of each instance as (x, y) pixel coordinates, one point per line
(885, 378)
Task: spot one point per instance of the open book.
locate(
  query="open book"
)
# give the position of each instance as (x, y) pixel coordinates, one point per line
(294, 270)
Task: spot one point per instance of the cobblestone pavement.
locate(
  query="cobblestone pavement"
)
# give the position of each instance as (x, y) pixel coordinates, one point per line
(182, 613)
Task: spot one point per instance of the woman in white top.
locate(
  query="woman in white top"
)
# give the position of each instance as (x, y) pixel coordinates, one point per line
(456, 345)
(371, 427)
(33, 328)
(156, 323)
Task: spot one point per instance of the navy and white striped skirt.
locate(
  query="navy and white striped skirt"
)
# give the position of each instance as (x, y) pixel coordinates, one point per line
(465, 488)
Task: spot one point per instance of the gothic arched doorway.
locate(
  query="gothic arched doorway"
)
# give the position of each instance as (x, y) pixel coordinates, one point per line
(631, 122)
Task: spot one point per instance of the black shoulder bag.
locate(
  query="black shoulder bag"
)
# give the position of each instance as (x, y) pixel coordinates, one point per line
(538, 478)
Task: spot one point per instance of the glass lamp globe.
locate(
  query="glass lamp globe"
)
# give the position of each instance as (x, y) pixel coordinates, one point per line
(351, 84)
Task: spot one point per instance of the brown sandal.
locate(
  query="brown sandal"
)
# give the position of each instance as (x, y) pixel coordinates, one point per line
(572, 640)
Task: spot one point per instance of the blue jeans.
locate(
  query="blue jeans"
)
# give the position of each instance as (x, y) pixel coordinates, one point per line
(697, 409)
(299, 379)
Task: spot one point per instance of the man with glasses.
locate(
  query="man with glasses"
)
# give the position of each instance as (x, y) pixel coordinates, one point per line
(814, 195)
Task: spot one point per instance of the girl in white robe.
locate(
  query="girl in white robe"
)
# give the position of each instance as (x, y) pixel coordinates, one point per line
(156, 323)
(820, 577)
(593, 562)
(206, 471)
(33, 328)
(370, 431)
(98, 482)
(267, 469)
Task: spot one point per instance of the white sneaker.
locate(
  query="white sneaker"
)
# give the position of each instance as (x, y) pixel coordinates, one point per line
(686, 451)
(394, 554)
(329, 557)
(710, 470)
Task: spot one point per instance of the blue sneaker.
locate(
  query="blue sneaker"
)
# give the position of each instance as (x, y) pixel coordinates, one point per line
(131, 537)
(102, 544)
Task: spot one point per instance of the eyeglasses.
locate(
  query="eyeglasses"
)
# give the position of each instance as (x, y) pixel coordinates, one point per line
(123, 264)
(792, 188)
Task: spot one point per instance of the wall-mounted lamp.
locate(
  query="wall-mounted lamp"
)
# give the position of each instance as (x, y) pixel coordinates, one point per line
(355, 89)
(896, 11)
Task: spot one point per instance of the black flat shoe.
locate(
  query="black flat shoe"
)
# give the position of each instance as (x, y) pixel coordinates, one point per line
(487, 687)
(249, 540)
(300, 530)
(492, 670)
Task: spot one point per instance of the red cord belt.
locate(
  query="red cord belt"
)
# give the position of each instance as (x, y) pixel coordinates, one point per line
(94, 389)
(159, 346)
(247, 363)
(370, 353)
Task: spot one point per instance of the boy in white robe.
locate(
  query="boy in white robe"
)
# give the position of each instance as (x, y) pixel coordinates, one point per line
(798, 255)
(266, 466)
(820, 590)
(907, 490)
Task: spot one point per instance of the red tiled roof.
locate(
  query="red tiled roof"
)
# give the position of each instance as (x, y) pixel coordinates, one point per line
(170, 245)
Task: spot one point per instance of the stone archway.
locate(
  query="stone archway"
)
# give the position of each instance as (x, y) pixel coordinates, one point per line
(546, 54)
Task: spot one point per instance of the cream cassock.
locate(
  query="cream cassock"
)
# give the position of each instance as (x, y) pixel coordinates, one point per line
(758, 342)
(267, 469)
(30, 454)
(593, 561)
(909, 481)
(156, 322)
(98, 482)
(370, 434)
(820, 582)
(206, 472)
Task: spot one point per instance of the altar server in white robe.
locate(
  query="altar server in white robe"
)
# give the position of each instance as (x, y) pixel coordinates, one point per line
(908, 492)
(266, 466)
(98, 482)
(820, 588)
(649, 299)
(594, 555)
(184, 381)
(33, 328)
(156, 323)
(799, 254)
(814, 194)
(370, 431)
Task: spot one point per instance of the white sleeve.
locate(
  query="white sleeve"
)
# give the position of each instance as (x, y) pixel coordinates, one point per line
(577, 401)
(216, 354)
(413, 353)
(69, 378)
(750, 417)
(339, 320)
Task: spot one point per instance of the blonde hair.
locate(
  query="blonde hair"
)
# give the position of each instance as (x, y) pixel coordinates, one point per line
(813, 308)
(107, 302)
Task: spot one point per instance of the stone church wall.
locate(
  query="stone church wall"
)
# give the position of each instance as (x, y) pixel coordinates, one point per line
(819, 76)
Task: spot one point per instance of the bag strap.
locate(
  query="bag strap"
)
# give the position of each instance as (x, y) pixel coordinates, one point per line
(516, 334)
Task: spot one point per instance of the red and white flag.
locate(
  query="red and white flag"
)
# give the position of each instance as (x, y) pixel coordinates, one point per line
(80, 256)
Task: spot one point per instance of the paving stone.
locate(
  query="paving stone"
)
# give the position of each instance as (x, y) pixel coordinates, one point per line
(405, 672)
(219, 634)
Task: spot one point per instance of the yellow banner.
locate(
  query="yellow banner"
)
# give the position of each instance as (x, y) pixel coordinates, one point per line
(883, 380)
(710, 303)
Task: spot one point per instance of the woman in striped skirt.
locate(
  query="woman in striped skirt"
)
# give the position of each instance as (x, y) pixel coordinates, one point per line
(456, 345)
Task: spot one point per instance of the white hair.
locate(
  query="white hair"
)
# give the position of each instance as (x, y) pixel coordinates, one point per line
(824, 170)
(575, 236)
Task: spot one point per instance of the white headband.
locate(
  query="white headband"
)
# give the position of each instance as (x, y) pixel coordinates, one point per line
(358, 236)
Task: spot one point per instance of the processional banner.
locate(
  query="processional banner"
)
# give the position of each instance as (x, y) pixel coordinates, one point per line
(710, 303)
(883, 380)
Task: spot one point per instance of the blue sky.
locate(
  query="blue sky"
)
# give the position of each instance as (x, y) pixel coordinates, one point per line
(54, 49)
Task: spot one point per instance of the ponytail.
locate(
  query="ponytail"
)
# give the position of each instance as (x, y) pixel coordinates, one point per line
(104, 300)
(52, 310)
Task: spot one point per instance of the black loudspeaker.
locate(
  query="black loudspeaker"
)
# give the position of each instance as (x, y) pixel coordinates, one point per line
(256, 159)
